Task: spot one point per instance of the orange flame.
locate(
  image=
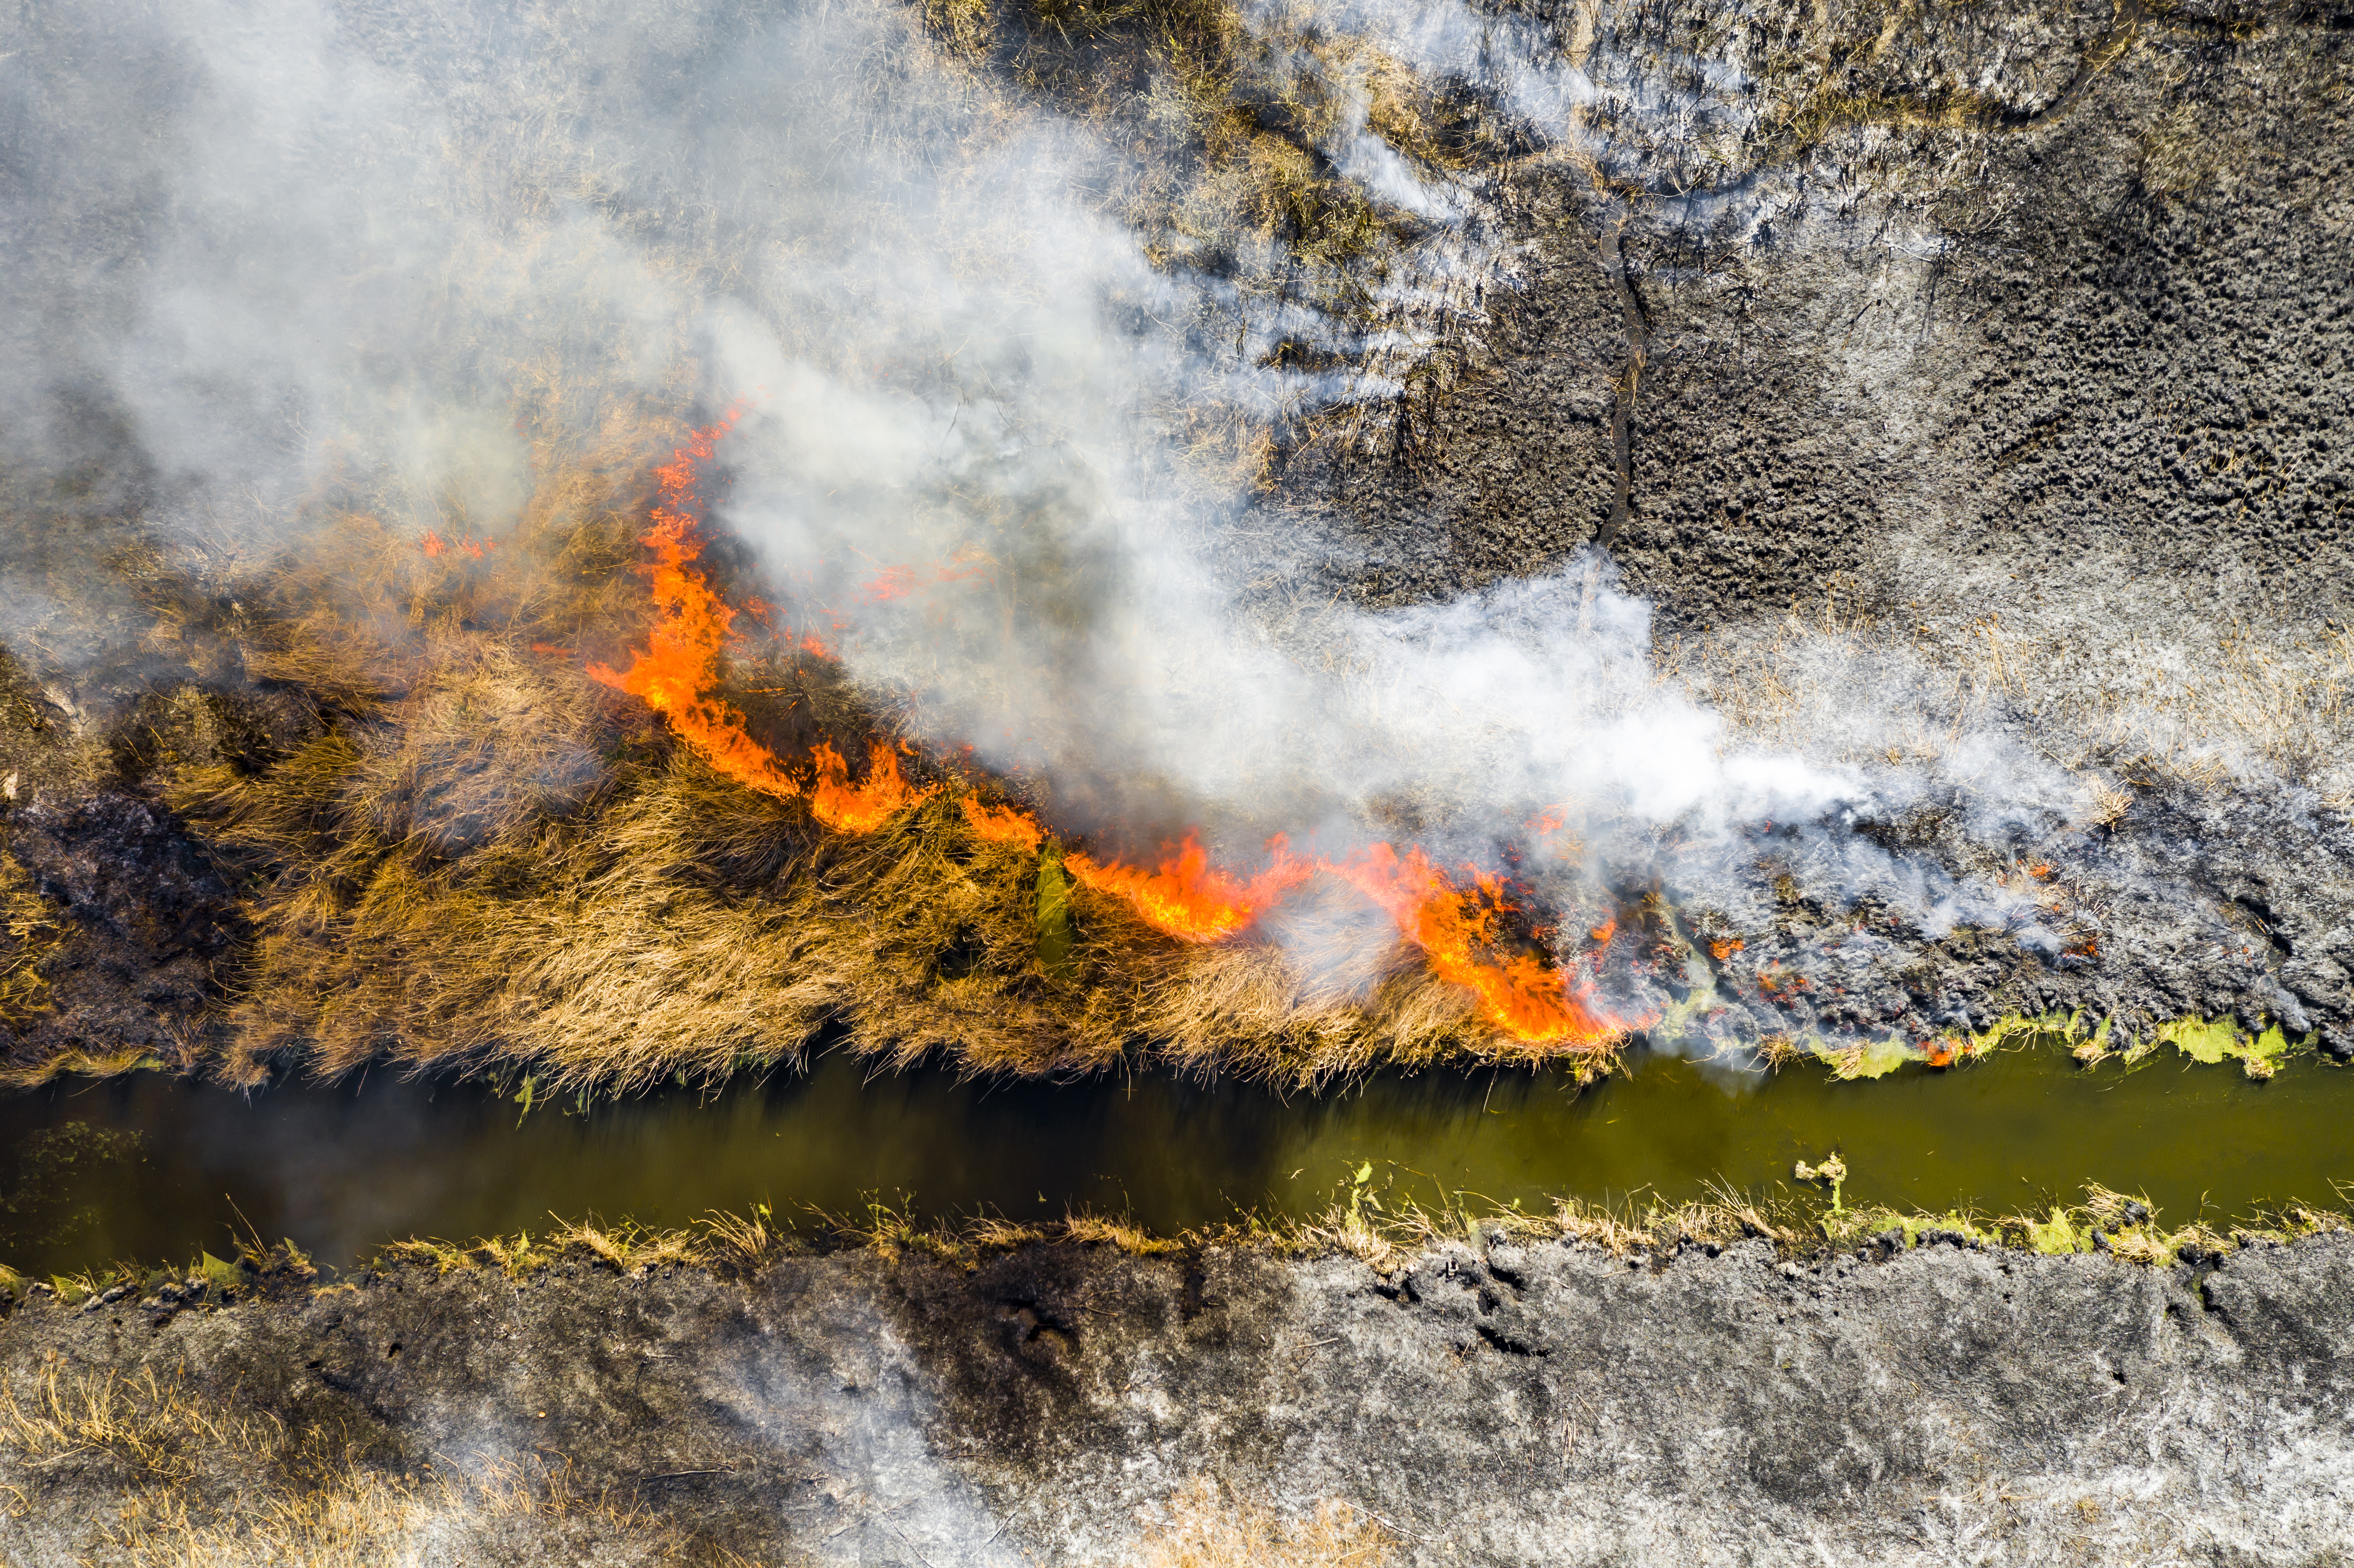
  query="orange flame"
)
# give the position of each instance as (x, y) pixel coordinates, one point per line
(680, 666)
(1187, 897)
(1004, 824)
(681, 661)
(1519, 994)
(861, 808)
(434, 545)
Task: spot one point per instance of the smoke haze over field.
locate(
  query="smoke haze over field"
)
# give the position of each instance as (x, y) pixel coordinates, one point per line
(403, 260)
(388, 254)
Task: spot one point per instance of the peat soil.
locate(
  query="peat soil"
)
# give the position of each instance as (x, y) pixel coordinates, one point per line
(1487, 1402)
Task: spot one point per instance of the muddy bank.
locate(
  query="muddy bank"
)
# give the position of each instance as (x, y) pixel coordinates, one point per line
(1486, 1401)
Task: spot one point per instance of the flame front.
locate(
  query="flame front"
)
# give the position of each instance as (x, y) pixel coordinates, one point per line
(676, 673)
(1520, 995)
(863, 807)
(679, 671)
(1187, 897)
(1004, 824)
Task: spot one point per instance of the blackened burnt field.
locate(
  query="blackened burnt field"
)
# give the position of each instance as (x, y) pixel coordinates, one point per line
(1265, 569)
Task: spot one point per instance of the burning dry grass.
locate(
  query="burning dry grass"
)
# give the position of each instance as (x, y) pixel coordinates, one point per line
(465, 850)
(470, 855)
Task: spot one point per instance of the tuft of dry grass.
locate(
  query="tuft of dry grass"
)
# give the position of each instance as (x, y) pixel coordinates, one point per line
(29, 935)
(1797, 1222)
(1383, 1237)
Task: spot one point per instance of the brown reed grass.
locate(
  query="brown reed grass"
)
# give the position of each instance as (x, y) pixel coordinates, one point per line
(472, 857)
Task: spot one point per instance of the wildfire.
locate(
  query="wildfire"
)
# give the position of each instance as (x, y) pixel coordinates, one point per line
(1187, 897)
(1452, 925)
(679, 669)
(1004, 824)
(863, 807)
(675, 674)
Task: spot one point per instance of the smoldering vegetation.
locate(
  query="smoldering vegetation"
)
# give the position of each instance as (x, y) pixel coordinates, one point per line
(1043, 323)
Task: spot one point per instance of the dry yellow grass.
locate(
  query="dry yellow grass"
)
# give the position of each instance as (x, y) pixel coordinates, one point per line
(198, 1482)
(29, 934)
(480, 859)
(690, 925)
(190, 1481)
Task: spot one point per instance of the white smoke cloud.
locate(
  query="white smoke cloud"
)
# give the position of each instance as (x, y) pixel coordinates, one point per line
(378, 239)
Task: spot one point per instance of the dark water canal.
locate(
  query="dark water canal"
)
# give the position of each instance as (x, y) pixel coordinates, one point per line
(151, 1170)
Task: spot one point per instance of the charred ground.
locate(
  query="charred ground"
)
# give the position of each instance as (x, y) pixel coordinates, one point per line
(2026, 401)
(1492, 1399)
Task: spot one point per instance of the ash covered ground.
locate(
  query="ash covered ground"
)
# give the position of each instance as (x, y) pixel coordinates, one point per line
(1491, 1399)
(2058, 433)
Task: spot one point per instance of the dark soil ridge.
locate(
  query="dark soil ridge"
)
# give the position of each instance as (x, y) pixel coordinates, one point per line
(1486, 1399)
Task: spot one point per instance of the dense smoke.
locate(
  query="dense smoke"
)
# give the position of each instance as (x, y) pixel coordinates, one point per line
(398, 254)
(365, 249)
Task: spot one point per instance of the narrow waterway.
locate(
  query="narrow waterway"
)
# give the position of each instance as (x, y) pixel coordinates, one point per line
(151, 1169)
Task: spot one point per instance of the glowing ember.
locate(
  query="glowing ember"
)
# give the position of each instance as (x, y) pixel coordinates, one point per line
(1188, 897)
(1519, 994)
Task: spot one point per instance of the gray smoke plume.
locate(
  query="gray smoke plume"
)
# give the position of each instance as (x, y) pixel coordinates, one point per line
(386, 248)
